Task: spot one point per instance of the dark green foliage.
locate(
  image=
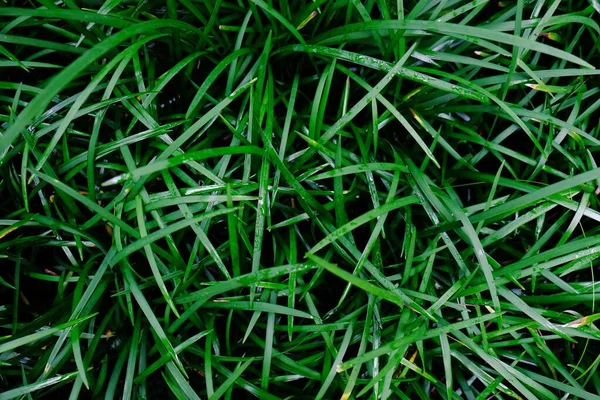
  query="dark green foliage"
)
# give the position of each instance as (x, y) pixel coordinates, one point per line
(299, 199)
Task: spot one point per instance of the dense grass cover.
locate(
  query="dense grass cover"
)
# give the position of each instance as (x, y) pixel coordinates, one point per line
(355, 199)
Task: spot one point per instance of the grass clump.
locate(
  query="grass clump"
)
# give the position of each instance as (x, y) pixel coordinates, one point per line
(329, 199)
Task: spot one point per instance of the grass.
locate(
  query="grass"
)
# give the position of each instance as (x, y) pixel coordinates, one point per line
(299, 200)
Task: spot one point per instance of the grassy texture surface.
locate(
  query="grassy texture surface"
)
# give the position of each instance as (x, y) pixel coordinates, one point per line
(291, 199)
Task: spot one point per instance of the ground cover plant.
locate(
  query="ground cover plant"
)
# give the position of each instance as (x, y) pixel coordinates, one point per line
(355, 199)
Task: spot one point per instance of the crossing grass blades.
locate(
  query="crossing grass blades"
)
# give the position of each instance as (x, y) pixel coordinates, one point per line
(353, 199)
